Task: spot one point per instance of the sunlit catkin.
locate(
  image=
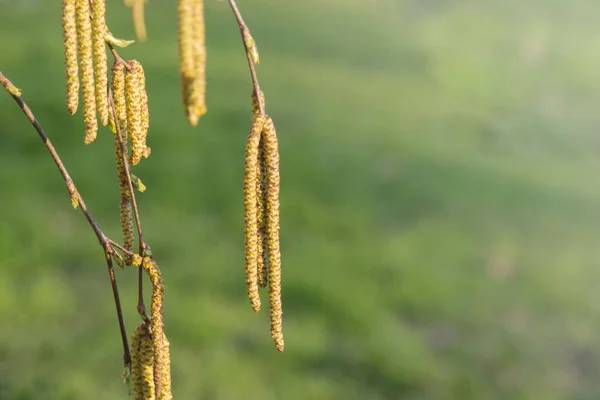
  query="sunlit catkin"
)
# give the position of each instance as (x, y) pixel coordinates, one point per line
(192, 58)
(69, 23)
(142, 364)
(250, 211)
(126, 213)
(135, 100)
(86, 64)
(118, 93)
(185, 12)
(272, 167)
(162, 365)
(261, 217)
(100, 63)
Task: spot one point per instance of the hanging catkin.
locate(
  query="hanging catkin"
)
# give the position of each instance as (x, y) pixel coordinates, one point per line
(272, 167)
(192, 58)
(142, 364)
(100, 63)
(137, 114)
(69, 24)
(250, 211)
(86, 63)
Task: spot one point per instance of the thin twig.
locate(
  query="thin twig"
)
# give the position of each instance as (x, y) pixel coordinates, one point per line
(77, 199)
(244, 28)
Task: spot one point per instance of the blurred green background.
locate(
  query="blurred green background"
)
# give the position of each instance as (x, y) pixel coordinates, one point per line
(440, 205)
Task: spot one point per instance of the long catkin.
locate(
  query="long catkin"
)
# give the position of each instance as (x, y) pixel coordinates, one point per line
(261, 216)
(272, 168)
(100, 62)
(86, 64)
(136, 104)
(69, 24)
(250, 211)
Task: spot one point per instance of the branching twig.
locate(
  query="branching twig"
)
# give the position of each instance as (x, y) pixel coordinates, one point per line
(245, 32)
(77, 199)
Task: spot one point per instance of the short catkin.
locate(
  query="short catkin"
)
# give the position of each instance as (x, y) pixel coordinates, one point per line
(250, 211)
(272, 167)
(126, 213)
(118, 93)
(86, 64)
(69, 24)
(142, 364)
(136, 102)
(100, 62)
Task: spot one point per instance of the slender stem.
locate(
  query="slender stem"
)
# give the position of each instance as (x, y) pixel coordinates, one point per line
(74, 193)
(244, 28)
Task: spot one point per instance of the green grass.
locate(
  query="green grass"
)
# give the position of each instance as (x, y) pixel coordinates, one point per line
(440, 205)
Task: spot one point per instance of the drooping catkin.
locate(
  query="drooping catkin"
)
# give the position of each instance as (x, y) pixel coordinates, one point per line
(162, 363)
(261, 202)
(192, 58)
(86, 64)
(250, 211)
(142, 363)
(261, 209)
(126, 213)
(139, 21)
(269, 136)
(185, 13)
(100, 63)
(69, 23)
(136, 101)
(118, 93)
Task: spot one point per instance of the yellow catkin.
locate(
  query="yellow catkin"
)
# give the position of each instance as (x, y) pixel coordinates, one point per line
(162, 363)
(272, 167)
(69, 23)
(142, 364)
(261, 203)
(250, 211)
(126, 212)
(86, 64)
(192, 58)
(100, 63)
(135, 100)
(118, 93)
(198, 94)
(139, 21)
(185, 12)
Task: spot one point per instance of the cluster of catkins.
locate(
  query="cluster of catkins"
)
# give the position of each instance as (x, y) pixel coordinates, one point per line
(261, 215)
(122, 105)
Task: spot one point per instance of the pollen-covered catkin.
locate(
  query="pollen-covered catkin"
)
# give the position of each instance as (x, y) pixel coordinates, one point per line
(142, 364)
(69, 23)
(126, 212)
(261, 208)
(86, 64)
(185, 12)
(135, 96)
(192, 58)
(118, 93)
(162, 365)
(250, 211)
(269, 136)
(100, 63)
